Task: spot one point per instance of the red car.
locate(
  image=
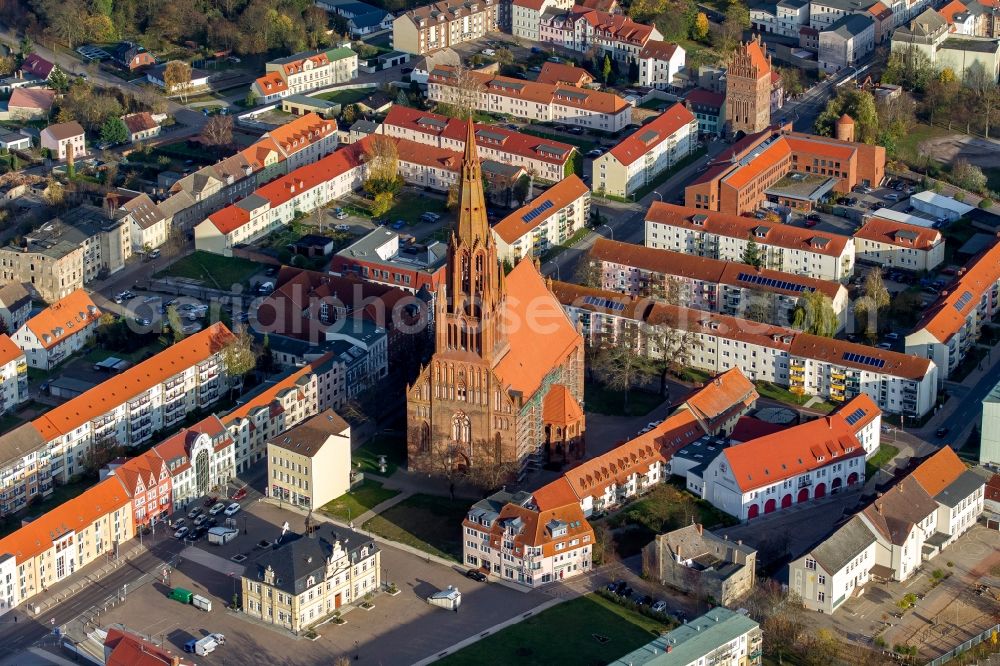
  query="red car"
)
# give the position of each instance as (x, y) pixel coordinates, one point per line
(240, 494)
(810, 223)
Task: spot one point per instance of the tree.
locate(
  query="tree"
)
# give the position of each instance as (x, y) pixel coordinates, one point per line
(465, 93)
(251, 99)
(350, 113)
(218, 131)
(859, 105)
(968, 176)
(175, 323)
(909, 67)
(7, 65)
(505, 56)
(239, 356)
(758, 308)
(58, 80)
(752, 254)
(791, 81)
(114, 131)
(870, 306)
(589, 274)
(381, 159)
(402, 99)
(177, 78)
(699, 31)
(55, 195)
(382, 203)
(814, 314)
(623, 366)
(737, 20)
(606, 68)
(26, 47)
(670, 350)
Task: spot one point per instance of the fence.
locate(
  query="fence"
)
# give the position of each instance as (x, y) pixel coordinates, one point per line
(967, 645)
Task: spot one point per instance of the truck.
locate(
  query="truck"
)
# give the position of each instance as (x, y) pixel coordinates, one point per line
(201, 602)
(182, 595)
(449, 598)
(201, 647)
(221, 535)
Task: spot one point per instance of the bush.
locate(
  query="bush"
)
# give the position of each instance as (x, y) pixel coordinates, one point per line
(985, 203)
(937, 574)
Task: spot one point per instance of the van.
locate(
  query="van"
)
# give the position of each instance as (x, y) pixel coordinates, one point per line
(201, 603)
(201, 647)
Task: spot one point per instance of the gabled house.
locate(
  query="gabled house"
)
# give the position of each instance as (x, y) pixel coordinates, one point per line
(131, 56)
(59, 330)
(15, 305)
(30, 103)
(198, 460)
(141, 126)
(62, 138)
(146, 479)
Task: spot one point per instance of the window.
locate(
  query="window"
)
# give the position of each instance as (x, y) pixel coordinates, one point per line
(822, 579)
(810, 563)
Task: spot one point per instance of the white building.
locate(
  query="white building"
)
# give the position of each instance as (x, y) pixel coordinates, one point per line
(720, 637)
(899, 245)
(646, 153)
(989, 447)
(63, 137)
(548, 220)
(301, 73)
(845, 42)
(785, 18)
(309, 464)
(526, 15)
(659, 64)
(938, 205)
(201, 459)
(13, 379)
(148, 228)
(58, 331)
(721, 236)
(836, 569)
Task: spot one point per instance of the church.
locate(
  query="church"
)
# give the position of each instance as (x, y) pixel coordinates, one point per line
(505, 383)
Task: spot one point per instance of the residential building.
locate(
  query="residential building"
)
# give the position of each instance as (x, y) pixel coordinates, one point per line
(131, 56)
(13, 375)
(846, 42)
(646, 153)
(660, 63)
(931, 35)
(708, 108)
(124, 648)
(780, 167)
(720, 637)
(36, 66)
(306, 578)
(443, 24)
(156, 75)
(989, 447)
(785, 18)
(556, 73)
(696, 562)
(784, 248)
(748, 89)
(146, 479)
(526, 15)
(953, 324)
(542, 102)
(384, 258)
(488, 381)
(362, 19)
(52, 271)
(713, 285)
(548, 220)
(64, 140)
(141, 126)
(30, 103)
(309, 464)
(301, 73)
(14, 141)
(15, 305)
(58, 331)
(52, 547)
(899, 245)
(148, 228)
(836, 569)
(199, 460)
(551, 161)
(529, 539)
(832, 369)
(424, 65)
(959, 494)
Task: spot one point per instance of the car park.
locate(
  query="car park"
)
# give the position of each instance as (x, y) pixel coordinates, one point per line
(200, 520)
(232, 509)
(217, 507)
(181, 532)
(477, 575)
(195, 512)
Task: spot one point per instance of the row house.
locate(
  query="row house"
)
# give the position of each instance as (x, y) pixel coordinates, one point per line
(549, 160)
(149, 397)
(443, 24)
(723, 236)
(526, 16)
(639, 159)
(889, 539)
(147, 482)
(703, 283)
(13, 375)
(148, 227)
(785, 18)
(301, 73)
(58, 331)
(540, 102)
(199, 460)
(952, 325)
(804, 363)
(547, 221)
(580, 28)
(895, 244)
(800, 464)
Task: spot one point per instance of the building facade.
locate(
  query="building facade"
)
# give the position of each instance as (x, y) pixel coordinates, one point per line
(548, 220)
(13, 375)
(748, 89)
(58, 331)
(309, 464)
(443, 24)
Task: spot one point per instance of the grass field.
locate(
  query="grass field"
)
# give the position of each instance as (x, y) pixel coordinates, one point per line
(601, 400)
(908, 148)
(586, 631)
(410, 206)
(97, 354)
(426, 522)
(781, 394)
(345, 97)
(214, 270)
(885, 453)
(366, 496)
(391, 445)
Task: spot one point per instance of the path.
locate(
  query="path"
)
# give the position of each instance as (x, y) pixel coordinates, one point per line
(382, 506)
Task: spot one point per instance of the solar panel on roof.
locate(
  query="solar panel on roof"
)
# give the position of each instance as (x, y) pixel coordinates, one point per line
(536, 211)
(855, 416)
(963, 300)
(864, 360)
(773, 283)
(605, 303)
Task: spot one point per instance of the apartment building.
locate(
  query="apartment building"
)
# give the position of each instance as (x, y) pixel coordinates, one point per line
(148, 227)
(712, 285)
(58, 331)
(309, 464)
(535, 101)
(306, 578)
(778, 167)
(384, 258)
(708, 108)
(720, 637)
(559, 72)
(549, 160)
(13, 375)
(784, 248)
(147, 398)
(64, 140)
(53, 546)
(930, 34)
(548, 220)
(53, 270)
(660, 63)
(899, 245)
(199, 460)
(646, 153)
(443, 24)
(953, 324)
(15, 305)
(807, 364)
(526, 16)
(785, 18)
(891, 537)
(846, 42)
(301, 73)
(146, 480)
(529, 538)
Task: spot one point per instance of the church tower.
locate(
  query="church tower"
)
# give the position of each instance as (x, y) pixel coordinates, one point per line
(748, 89)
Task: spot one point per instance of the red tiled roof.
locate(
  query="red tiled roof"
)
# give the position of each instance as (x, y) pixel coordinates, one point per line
(557, 72)
(899, 233)
(560, 195)
(40, 99)
(8, 350)
(139, 122)
(229, 219)
(835, 351)
(559, 407)
(779, 152)
(653, 134)
(946, 319)
(128, 649)
(72, 314)
(555, 494)
(271, 83)
(715, 402)
(36, 65)
(949, 10)
(658, 50)
(302, 132)
(881, 12)
(265, 398)
(530, 4)
(939, 471)
(706, 97)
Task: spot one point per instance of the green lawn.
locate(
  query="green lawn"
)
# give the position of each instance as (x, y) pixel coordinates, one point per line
(694, 375)
(585, 631)
(555, 250)
(781, 394)
(391, 445)
(908, 148)
(427, 522)
(601, 400)
(216, 271)
(885, 453)
(98, 354)
(345, 97)
(363, 498)
(410, 206)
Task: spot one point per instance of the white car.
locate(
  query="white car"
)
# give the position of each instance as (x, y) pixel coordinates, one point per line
(181, 533)
(217, 507)
(195, 512)
(232, 509)
(342, 227)
(659, 607)
(489, 52)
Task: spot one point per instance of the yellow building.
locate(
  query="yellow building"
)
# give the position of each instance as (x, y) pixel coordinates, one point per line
(306, 578)
(310, 464)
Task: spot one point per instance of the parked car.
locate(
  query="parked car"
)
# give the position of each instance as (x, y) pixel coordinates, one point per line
(477, 575)
(200, 520)
(941, 432)
(659, 607)
(398, 224)
(489, 52)
(575, 130)
(232, 509)
(339, 213)
(810, 222)
(240, 494)
(181, 533)
(341, 227)
(217, 507)
(195, 512)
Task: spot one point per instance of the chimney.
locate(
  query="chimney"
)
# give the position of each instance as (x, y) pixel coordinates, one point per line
(700, 528)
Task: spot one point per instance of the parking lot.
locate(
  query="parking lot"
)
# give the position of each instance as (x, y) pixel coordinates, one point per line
(399, 629)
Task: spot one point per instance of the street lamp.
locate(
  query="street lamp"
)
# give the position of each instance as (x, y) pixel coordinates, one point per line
(557, 269)
(611, 232)
(659, 195)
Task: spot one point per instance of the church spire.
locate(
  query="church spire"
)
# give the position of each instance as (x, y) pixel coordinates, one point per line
(472, 223)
